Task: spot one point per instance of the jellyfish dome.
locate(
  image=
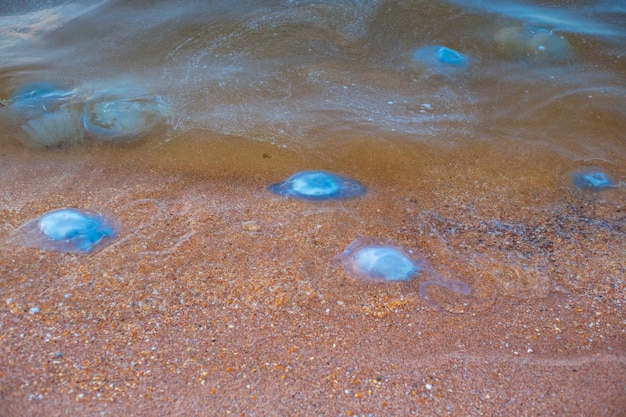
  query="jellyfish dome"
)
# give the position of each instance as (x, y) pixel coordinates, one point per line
(121, 115)
(441, 59)
(593, 180)
(68, 230)
(378, 260)
(38, 97)
(318, 185)
(387, 263)
(45, 114)
(538, 44)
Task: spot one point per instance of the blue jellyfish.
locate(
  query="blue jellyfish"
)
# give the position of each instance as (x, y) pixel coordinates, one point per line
(68, 230)
(592, 180)
(317, 186)
(378, 260)
(38, 97)
(441, 59)
(119, 115)
(45, 114)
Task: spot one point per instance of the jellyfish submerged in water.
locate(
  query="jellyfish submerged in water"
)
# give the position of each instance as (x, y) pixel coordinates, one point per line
(39, 97)
(68, 230)
(379, 260)
(49, 115)
(318, 185)
(539, 44)
(45, 114)
(593, 180)
(120, 115)
(441, 59)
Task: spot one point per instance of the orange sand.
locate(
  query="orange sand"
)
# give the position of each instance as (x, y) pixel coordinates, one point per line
(222, 299)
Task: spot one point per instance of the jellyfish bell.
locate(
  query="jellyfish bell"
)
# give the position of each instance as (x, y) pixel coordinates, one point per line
(68, 230)
(539, 44)
(451, 57)
(378, 260)
(41, 96)
(318, 186)
(593, 179)
(43, 114)
(120, 115)
(441, 59)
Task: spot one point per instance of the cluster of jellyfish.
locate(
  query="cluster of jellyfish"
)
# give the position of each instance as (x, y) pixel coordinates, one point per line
(47, 115)
(80, 231)
(535, 43)
(367, 258)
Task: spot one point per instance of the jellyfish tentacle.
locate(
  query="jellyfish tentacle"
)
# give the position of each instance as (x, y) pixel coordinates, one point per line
(458, 287)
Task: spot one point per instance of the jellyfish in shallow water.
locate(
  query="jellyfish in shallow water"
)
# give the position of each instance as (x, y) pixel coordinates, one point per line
(441, 59)
(318, 185)
(45, 113)
(49, 115)
(379, 260)
(538, 44)
(593, 180)
(68, 230)
(121, 115)
(38, 97)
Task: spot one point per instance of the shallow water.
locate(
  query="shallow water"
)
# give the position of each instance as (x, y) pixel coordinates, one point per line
(262, 89)
(297, 72)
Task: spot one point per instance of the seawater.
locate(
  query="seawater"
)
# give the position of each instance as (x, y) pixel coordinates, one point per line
(308, 76)
(469, 154)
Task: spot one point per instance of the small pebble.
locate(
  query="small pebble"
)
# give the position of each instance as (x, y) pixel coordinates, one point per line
(251, 226)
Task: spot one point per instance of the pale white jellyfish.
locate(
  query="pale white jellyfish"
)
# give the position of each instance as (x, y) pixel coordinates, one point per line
(538, 44)
(120, 115)
(379, 260)
(44, 114)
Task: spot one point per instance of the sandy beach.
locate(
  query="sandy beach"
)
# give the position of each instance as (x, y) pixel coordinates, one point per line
(219, 298)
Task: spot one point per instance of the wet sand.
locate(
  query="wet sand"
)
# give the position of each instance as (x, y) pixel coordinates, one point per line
(219, 298)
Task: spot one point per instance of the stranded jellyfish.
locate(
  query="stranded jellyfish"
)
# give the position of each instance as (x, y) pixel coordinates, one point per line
(68, 230)
(593, 180)
(318, 185)
(536, 43)
(45, 114)
(119, 115)
(378, 260)
(440, 59)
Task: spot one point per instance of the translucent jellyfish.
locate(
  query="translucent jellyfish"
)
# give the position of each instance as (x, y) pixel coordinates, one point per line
(318, 185)
(539, 44)
(38, 97)
(441, 59)
(45, 114)
(593, 180)
(68, 230)
(121, 115)
(378, 260)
